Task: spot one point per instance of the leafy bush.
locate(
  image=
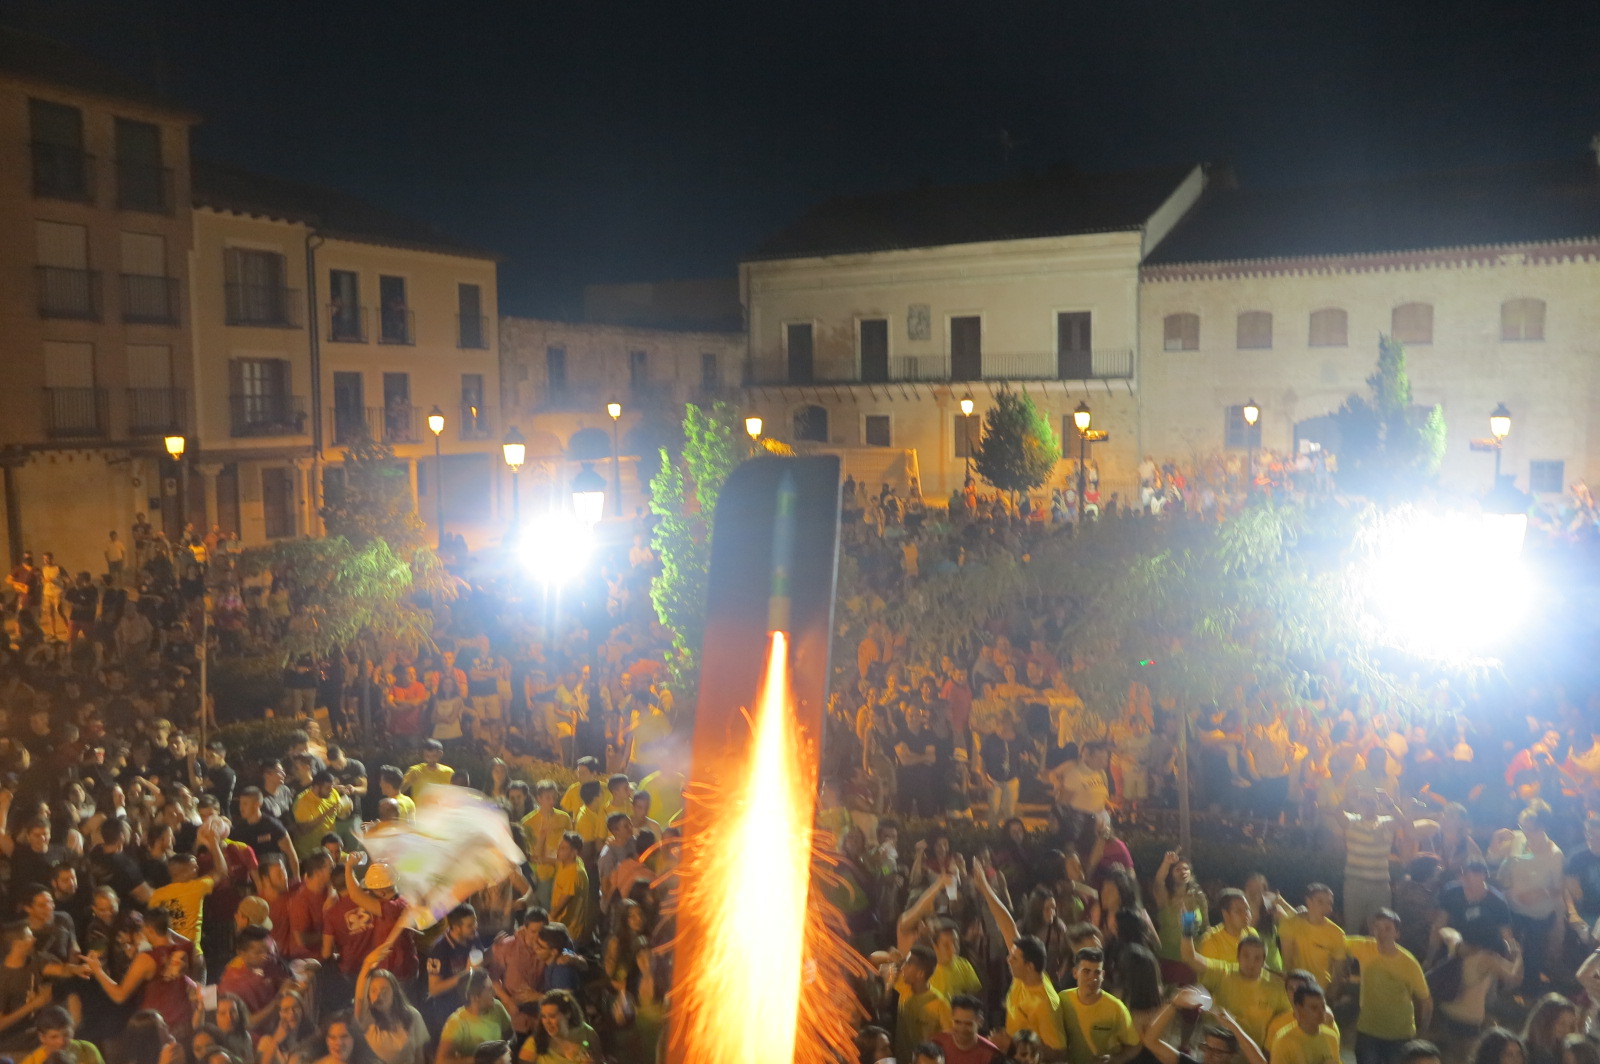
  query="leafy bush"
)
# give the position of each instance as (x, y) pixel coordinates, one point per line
(246, 687)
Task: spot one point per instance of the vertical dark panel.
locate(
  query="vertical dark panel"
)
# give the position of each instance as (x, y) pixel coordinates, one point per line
(966, 348)
(874, 350)
(1074, 346)
(802, 367)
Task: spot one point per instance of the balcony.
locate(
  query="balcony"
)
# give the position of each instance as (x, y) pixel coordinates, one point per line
(475, 423)
(347, 325)
(1107, 364)
(396, 325)
(267, 305)
(155, 411)
(267, 415)
(150, 300)
(69, 293)
(75, 413)
(355, 424)
(472, 332)
(144, 187)
(62, 172)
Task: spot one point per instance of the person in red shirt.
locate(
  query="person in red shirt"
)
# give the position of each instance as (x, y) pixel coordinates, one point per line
(407, 699)
(304, 908)
(254, 976)
(363, 919)
(962, 1044)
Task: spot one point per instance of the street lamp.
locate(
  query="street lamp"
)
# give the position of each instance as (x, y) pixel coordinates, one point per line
(176, 445)
(515, 450)
(588, 496)
(436, 426)
(614, 408)
(966, 427)
(752, 426)
(1081, 418)
(1252, 414)
(1499, 428)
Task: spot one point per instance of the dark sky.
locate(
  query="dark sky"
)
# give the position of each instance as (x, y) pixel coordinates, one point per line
(593, 141)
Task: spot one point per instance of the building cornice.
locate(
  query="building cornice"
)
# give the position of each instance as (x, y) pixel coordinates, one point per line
(1543, 253)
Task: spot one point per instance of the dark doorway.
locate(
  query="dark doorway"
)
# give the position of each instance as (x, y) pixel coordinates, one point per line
(1074, 349)
(966, 348)
(874, 350)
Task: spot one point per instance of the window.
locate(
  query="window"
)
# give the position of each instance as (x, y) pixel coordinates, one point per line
(394, 313)
(1330, 328)
(1239, 436)
(1547, 476)
(875, 430)
(1522, 319)
(72, 402)
(347, 319)
(874, 349)
(710, 373)
(967, 432)
(67, 287)
(1181, 332)
(474, 327)
(555, 369)
(798, 352)
(142, 182)
(966, 348)
(811, 424)
(399, 418)
(256, 288)
(349, 407)
(148, 294)
(277, 501)
(153, 405)
(638, 370)
(1074, 345)
(60, 167)
(474, 417)
(259, 398)
(1254, 330)
(1412, 323)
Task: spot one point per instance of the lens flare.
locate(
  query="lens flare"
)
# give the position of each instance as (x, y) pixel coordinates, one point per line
(769, 982)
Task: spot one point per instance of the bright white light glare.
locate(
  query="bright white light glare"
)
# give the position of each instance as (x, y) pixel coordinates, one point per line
(1447, 585)
(555, 548)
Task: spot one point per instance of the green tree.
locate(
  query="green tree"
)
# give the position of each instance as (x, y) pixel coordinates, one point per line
(374, 503)
(1019, 449)
(683, 496)
(350, 590)
(1387, 445)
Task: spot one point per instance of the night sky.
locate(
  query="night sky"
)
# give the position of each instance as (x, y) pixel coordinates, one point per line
(592, 141)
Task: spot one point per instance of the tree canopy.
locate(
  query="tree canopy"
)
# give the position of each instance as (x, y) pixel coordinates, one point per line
(1388, 447)
(1019, 449)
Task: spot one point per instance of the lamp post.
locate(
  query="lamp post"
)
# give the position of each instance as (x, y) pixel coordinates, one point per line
(176, 446)
(1080, 419)
(614, 408)
(1499, 429)
(1252, 414)
(752, 428)
(966, 427)
(436, 426)
(588, 496)
(515, 450)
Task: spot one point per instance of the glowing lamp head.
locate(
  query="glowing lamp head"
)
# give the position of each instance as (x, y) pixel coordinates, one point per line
(588, 496)
(752, 426)
(966, 406)
(1081, 417)
(1500, 422)
(436, 421)
(1252, 412)
(514, 448)
(614, 409)
(176, 443)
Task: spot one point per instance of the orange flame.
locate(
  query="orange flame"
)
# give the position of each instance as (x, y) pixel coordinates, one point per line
(769, 982)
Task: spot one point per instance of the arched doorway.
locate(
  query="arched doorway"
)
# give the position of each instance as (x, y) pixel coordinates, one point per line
(811, 424)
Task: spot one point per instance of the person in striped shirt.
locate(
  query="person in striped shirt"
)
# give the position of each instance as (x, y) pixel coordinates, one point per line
(1372, 823)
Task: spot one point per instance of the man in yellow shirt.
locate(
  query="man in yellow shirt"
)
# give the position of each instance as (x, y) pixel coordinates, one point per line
(1293, 980)
(590, 823)
(1031, 1003)
(317, 812)
(954, 974)
(923, 1011)
(1098, 1026)
(1306, 1040)
(1221, 943)
(184, 897)
(1395, 1001)
(1310, 940)
(1243, 988)
(541, 833)
(390, 780)
(430, 773)
(588, 768)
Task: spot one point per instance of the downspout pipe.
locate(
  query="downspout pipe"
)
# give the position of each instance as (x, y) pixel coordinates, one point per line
(314, 240)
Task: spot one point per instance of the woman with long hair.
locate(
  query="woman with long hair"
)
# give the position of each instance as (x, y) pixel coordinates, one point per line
(1497, 1046)
(1139, 984)
(338, 1040)
(146, 1040)
(627, 936)
(1550, 1020)
(562, 1037)
(391, 1029)
(519, 800)
(292, 1037)
(1040, 920)
(232, 1020)
(1179, 902)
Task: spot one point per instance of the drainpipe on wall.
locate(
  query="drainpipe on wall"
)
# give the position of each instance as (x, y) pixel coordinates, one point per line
(313, 338)
(13, 509)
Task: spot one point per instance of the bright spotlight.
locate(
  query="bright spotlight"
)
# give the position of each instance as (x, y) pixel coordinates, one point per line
(555, 548)
(1447, 586)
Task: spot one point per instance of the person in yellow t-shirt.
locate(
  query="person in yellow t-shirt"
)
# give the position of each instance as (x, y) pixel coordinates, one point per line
(390, 780)
(1221, 943)
(317, 812)
(1243, 988)
(1097, 1025)
(588, 768)
(1306, 1040)
(954, 974)
(1221, 1042)
(184, 897)
(590, 823)
(1292, 981)
(1032, 1002)
(541, 833)
(1310, 940)
(430, 773)
(1395, 1001)
(571, 902)
(923, 1011)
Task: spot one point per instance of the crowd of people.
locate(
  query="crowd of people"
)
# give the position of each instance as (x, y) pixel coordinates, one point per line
(174, 902)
